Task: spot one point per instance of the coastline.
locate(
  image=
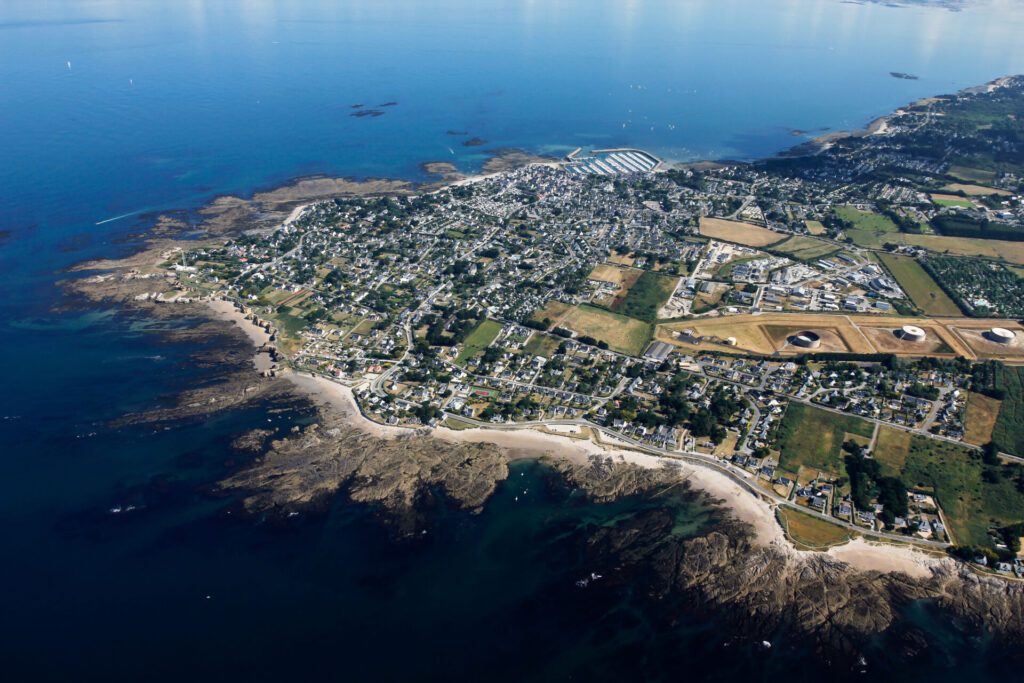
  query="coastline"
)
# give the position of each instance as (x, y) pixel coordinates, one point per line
(529, 443)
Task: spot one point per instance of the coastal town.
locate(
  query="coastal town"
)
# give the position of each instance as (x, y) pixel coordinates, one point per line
(833, 329)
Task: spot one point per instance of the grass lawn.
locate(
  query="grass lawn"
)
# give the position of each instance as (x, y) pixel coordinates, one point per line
(982, 413)
(478, 340)
(954, 473)
(809, 532)
(623, 334)
(813, 437)
(919, 285)
(646, 296)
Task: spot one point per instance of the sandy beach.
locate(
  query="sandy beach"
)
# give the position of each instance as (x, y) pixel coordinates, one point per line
(225, 310)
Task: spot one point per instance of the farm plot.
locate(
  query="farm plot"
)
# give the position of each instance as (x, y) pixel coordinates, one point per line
(919, 285)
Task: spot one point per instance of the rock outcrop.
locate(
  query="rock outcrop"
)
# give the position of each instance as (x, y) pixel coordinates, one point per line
(400, 475)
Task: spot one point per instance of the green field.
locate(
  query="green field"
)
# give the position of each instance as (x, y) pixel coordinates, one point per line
(805, 248)
(478, 340)
(1008, 434)
(813, 437)
(869, 229)
(962, 203)
(971, 504)
(919, 285)
(645, 297)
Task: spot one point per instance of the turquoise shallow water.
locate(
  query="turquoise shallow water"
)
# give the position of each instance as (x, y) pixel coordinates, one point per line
(166, 104)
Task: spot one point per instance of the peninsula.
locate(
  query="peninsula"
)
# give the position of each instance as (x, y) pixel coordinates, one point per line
(829, 339)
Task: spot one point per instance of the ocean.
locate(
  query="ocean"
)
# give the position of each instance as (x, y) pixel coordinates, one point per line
(113, 110)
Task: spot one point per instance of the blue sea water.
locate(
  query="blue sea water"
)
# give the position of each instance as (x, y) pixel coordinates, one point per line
(112, 109)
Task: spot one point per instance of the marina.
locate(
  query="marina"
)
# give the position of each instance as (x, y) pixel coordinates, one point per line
(612, 162)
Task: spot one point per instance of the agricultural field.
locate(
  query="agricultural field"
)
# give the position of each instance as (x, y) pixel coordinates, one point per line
(805, 248)
(972, 500)
(813, 437)
(815, 227)
(621, 333)
(738, 233)
(919, 285)
(985, 289)
(952, 200)
(478, 340)
(810, 533)
(647, 294)
(982, 412)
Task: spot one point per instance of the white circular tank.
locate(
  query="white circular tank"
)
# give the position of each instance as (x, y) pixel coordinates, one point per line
(912, 333)
(1000, 335)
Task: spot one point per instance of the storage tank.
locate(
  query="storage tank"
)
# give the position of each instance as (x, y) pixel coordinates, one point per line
(1000, 335)
(807, 340)
(912, 333)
